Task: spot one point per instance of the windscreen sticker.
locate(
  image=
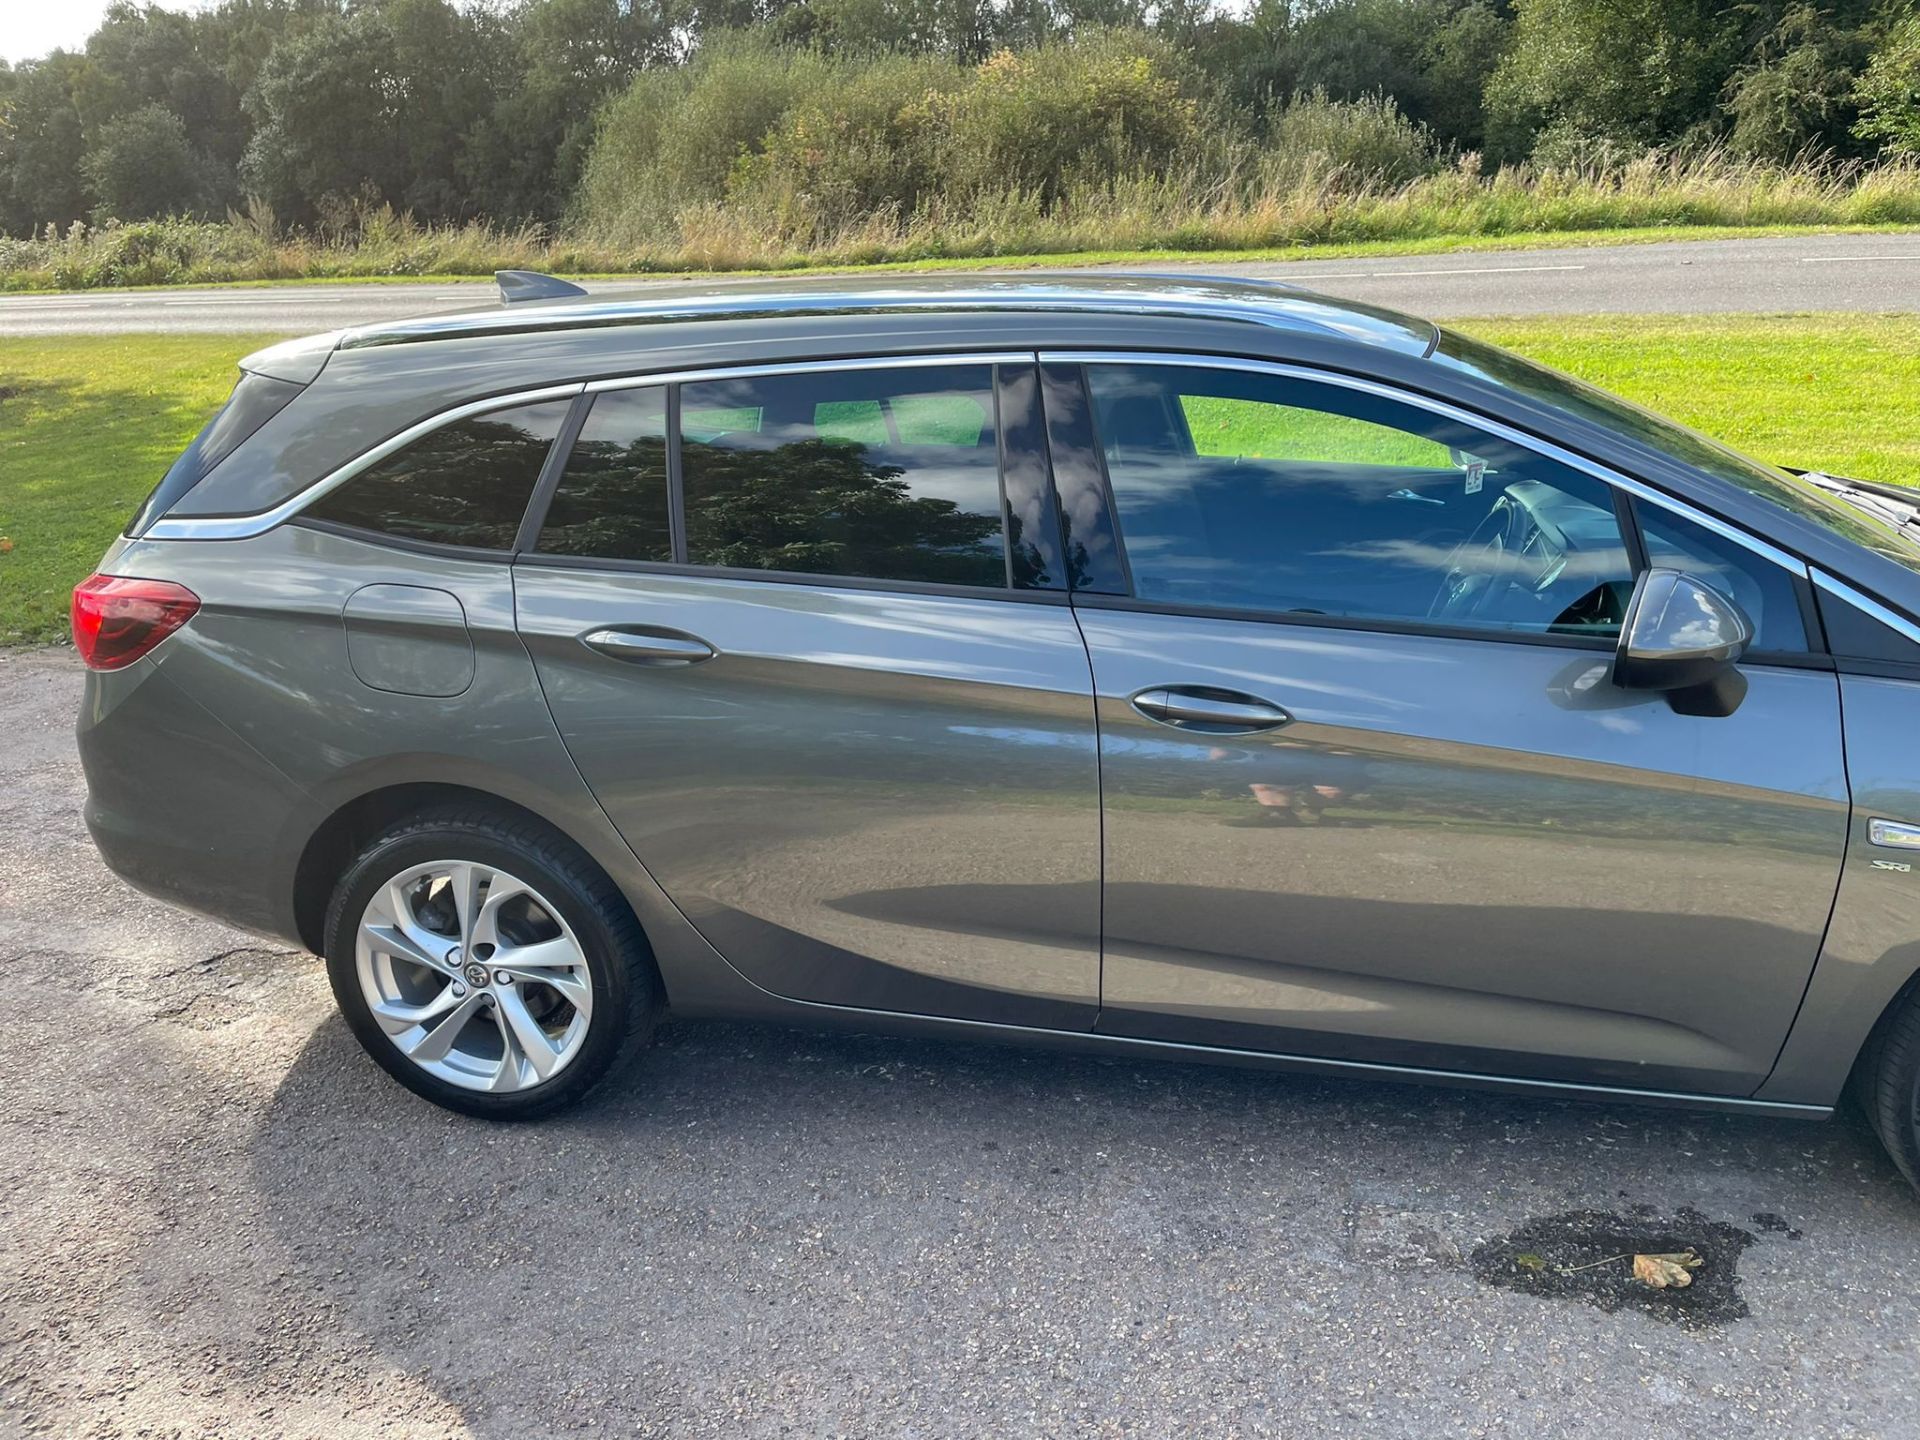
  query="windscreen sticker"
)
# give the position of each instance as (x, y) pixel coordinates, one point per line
(1476, 472)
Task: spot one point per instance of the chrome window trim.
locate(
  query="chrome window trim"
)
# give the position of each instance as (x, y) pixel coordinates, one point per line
(1892, 619)
(1546, 448)
(245, 527)
(917, 361)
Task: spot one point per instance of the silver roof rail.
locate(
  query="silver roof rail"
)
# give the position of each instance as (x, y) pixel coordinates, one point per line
(518, 285)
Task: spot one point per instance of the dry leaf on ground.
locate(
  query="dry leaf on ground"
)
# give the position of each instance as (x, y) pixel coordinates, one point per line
(1663, 1271)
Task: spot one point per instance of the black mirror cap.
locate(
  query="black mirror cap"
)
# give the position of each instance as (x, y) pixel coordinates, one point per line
(1683, 637)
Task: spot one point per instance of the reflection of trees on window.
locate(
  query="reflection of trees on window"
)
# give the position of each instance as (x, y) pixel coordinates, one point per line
(824, 507)
(612, 499)
(464, 484)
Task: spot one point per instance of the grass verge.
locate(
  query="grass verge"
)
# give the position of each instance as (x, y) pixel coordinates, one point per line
(88, 424)
(473, 265)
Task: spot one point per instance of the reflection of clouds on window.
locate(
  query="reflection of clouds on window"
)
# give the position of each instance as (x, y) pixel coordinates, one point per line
(1246, 490)
(1414, 554)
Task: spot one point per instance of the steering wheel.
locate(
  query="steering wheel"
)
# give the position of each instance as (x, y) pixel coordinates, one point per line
(1478, 570)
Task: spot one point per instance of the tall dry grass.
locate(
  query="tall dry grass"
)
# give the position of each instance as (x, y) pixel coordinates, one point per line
(1263, 202)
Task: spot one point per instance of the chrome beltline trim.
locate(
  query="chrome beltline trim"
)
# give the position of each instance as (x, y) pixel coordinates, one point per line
(1453, 412)
(243, 527)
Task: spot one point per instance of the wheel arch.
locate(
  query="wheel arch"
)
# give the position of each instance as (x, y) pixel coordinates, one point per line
(352, 825)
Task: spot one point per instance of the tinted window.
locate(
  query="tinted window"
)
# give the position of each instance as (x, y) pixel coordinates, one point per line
(612, 498)
(463, 484)
(1762, 589)
(1251, 491)
(255, 400)
(887, 474)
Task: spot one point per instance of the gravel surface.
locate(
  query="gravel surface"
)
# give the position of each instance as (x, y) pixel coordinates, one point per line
(216, 1217)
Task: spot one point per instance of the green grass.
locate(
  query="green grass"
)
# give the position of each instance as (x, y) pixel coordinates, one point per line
(88, 424)
(45, 281)
(1827, 392)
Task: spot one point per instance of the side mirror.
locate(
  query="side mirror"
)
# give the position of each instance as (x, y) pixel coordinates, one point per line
(1683, 637)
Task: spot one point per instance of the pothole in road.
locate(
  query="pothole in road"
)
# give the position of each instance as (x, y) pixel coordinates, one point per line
(1587, 1255)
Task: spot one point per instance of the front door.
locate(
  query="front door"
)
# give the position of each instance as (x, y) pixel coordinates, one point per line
(1369, 792)
(844, 722)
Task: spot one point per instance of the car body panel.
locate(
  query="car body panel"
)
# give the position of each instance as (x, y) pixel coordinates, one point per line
(1467, 854)
(866, 798)
(1873, 948)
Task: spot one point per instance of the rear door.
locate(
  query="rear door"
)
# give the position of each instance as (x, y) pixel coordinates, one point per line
(805, 632)
(1369, 791)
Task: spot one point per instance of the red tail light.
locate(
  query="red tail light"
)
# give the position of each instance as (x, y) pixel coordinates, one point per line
(117, 620)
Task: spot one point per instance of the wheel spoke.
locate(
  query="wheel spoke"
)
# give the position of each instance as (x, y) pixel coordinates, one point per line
(434, 1044)
(402, 935)
(464, 882)
(397, 1017)
(554, 962)
(486, 925)
(523, 1036)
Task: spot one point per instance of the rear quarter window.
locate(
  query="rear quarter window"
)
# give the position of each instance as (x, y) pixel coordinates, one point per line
(256, 399)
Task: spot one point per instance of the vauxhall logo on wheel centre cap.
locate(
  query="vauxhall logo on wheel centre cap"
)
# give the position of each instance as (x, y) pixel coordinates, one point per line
(475, 972)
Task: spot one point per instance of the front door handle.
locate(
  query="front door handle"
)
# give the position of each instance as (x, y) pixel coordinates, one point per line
(645, 645)
(1211, 711)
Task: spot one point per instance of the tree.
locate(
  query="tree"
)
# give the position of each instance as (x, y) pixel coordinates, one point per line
(1634, 72)
(524, 160)
(379, 102)
(41, 142)
(142, 164)
(1889, 91)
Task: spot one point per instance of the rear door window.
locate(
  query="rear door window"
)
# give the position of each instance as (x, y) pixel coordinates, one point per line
(612, 498)
(885, 474)
(466, 483)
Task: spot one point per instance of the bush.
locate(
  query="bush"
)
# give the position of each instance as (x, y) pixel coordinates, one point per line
(673, 138)
(1104, 108)
(1361, 144)
(865, 144)
(1889, 91)
(1797, 96)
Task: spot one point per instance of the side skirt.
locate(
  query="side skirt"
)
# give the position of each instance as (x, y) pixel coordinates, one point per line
(809, 1015)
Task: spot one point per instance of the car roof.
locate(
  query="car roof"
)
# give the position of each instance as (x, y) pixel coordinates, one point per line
(1255, 302)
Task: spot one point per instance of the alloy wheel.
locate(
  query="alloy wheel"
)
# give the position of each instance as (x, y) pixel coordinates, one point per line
(473, 976)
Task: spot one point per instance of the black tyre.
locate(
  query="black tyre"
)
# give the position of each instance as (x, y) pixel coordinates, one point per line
(1887, 1082)
(487, 964)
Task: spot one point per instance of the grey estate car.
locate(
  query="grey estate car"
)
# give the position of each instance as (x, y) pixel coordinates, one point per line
(1158, 665)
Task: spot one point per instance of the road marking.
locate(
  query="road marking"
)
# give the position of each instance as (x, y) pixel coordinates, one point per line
(1483, 270)
(1850, 259)
(264, 300)
(1392, 274)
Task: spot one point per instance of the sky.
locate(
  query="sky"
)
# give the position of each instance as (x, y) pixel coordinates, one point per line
(30, 28)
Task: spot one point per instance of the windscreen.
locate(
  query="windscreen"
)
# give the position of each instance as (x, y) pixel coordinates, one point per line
(1790, 492)
(255, 400)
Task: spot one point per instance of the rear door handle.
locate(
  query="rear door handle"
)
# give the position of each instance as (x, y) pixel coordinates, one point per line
(1214, 712)
(643, 645)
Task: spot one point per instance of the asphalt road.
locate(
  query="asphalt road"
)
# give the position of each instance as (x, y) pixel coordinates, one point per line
(217, 1217)
(1829, 272)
